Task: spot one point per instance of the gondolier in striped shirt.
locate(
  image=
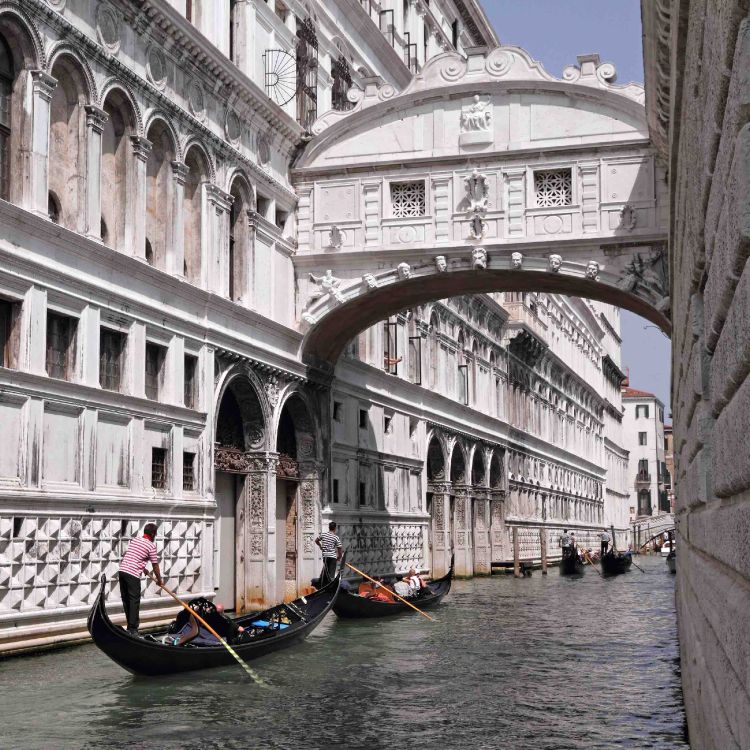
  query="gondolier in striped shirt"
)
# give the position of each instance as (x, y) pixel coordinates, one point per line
(330, 545)
(140, 551)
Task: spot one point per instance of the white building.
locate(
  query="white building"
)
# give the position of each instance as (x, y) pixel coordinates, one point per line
(643, 436)
(154, 250)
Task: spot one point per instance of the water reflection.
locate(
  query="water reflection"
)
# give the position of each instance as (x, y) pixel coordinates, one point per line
(533, 664)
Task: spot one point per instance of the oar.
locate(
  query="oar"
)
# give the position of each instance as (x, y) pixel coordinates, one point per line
(424, 614)
(636, 565)
(591, 562)
(251, 672)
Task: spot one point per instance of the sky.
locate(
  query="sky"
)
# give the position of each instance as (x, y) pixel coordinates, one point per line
(555, 32)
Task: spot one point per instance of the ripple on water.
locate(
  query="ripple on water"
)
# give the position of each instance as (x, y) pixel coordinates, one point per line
(545, 663)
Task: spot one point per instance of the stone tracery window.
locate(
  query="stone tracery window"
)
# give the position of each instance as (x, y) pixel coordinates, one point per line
(408, 199)
(553, 187)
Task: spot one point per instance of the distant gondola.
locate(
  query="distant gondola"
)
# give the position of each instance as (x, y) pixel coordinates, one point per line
(571, 564)
(672, 561)
(352, 605)
(149, 656)
(614, 563)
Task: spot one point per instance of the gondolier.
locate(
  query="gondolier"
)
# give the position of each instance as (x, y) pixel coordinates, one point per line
(140, 551)
(605, 540)
(330, 545)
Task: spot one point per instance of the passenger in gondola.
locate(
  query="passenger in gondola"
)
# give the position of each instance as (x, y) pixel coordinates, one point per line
(402, 587)
(377, 594)
(140, 551)
(416, 582)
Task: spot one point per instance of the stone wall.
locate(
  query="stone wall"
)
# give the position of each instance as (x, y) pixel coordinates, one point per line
(704, 67)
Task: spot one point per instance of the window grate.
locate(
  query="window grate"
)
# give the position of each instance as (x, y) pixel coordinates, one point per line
(408, 199)
(159, 468)
(553, 188)
(111, 347)
(342, 82)
(188, 471)
(155, 356)
(60, 339)
(191, 364)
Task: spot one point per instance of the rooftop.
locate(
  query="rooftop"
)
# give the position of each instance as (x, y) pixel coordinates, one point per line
(628, 392)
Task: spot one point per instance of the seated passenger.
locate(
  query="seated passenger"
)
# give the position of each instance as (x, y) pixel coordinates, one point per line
(402, 588)
(415, 581)
(377, 594)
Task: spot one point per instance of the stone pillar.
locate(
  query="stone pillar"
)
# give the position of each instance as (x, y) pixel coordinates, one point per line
(590, 199)
(516, 554)
(481, 534)
(87, 347)
(464, 565)
(36, 188)
(543, 548)
(176, 239)
(135, 226)
(247, 264)
(498, 531)
(215, 242)
(33, 338)
(96, 118)
(514, 179)
(134, 375)
(440, 528)
(309, 562)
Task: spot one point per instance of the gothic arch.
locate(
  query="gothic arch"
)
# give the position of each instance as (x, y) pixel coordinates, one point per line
(301, 412)
(458, 463)
(436, 457)
(247, 391)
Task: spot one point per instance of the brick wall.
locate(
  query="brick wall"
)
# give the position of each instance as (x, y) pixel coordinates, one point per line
(710, 243)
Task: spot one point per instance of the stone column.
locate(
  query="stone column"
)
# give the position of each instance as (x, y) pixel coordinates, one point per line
(96, 118)
(482, 547)
(440, 528)
(215, 247)
(135, 226)
(36, 187)
(134, 374)
(247, 264)
(176, 238)
(464, 565)
(33, 352)
(590, 199)
(308, 512)
(87, 347)
(498, 531)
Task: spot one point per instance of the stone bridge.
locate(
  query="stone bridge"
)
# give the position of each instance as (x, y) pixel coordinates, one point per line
(485, 175)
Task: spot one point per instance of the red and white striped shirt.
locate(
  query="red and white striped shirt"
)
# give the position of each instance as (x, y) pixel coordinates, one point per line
(140, 551)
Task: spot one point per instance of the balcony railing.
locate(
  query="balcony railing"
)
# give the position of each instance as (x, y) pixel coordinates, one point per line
(643, 476)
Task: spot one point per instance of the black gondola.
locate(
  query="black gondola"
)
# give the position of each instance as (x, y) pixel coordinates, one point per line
(149, 656)
(352, 605)
(571, 564)
(614, 563)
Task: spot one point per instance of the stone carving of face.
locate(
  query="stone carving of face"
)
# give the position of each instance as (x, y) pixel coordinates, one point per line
(592, 270)
(479, 256)
(441, 264)
(403, 270)
(516, 260)
(555, 262)
(369, 279)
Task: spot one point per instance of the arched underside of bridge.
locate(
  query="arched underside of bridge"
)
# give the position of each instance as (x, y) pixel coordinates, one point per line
(338, 322)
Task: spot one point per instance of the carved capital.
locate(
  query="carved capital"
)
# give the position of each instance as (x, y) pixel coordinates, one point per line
(96, 118)
(180, 171)
(218, 198)
(141, 147)
(43, 83)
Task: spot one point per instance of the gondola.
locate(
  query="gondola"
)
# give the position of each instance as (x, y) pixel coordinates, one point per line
(571, 565)
(672, 561)
(149, 656)
(614, 563)
(351, 605)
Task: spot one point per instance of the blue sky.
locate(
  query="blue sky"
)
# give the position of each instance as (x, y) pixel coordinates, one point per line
(555, 32)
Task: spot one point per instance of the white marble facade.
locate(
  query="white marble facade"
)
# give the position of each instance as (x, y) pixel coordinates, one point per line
(154, 242)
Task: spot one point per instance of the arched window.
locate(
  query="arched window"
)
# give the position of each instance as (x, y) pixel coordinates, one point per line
(159, 195)
(342, 82)
(6, 109)
(433, 351)
(193, 213)
(67, 148)
(117, 167)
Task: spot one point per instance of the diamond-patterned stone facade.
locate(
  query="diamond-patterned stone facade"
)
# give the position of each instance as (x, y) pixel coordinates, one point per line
(53, 562)
(381, 549)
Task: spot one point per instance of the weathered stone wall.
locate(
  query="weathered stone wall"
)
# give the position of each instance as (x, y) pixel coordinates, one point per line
(710, 180)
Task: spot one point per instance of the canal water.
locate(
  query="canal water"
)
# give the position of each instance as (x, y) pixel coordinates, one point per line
(541, 663)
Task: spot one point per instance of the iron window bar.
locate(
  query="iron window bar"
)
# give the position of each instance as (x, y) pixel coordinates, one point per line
(387, 26)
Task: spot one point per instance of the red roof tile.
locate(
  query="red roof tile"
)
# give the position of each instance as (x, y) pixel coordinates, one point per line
(635, 393)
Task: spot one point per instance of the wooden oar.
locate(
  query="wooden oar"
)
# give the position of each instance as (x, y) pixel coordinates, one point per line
(251, 672)
(591, 562)
(364, 575)
(636, 565)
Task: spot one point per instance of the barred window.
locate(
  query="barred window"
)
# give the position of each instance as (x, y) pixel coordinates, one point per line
(553, 187)
(155, 356)
(342, 82)
(408, 199)
(61, 334)
(111, 348)
(159, 468)
(188, 471)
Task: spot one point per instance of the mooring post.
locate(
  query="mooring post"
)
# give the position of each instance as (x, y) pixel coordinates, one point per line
(516, 561)
(543, 546)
